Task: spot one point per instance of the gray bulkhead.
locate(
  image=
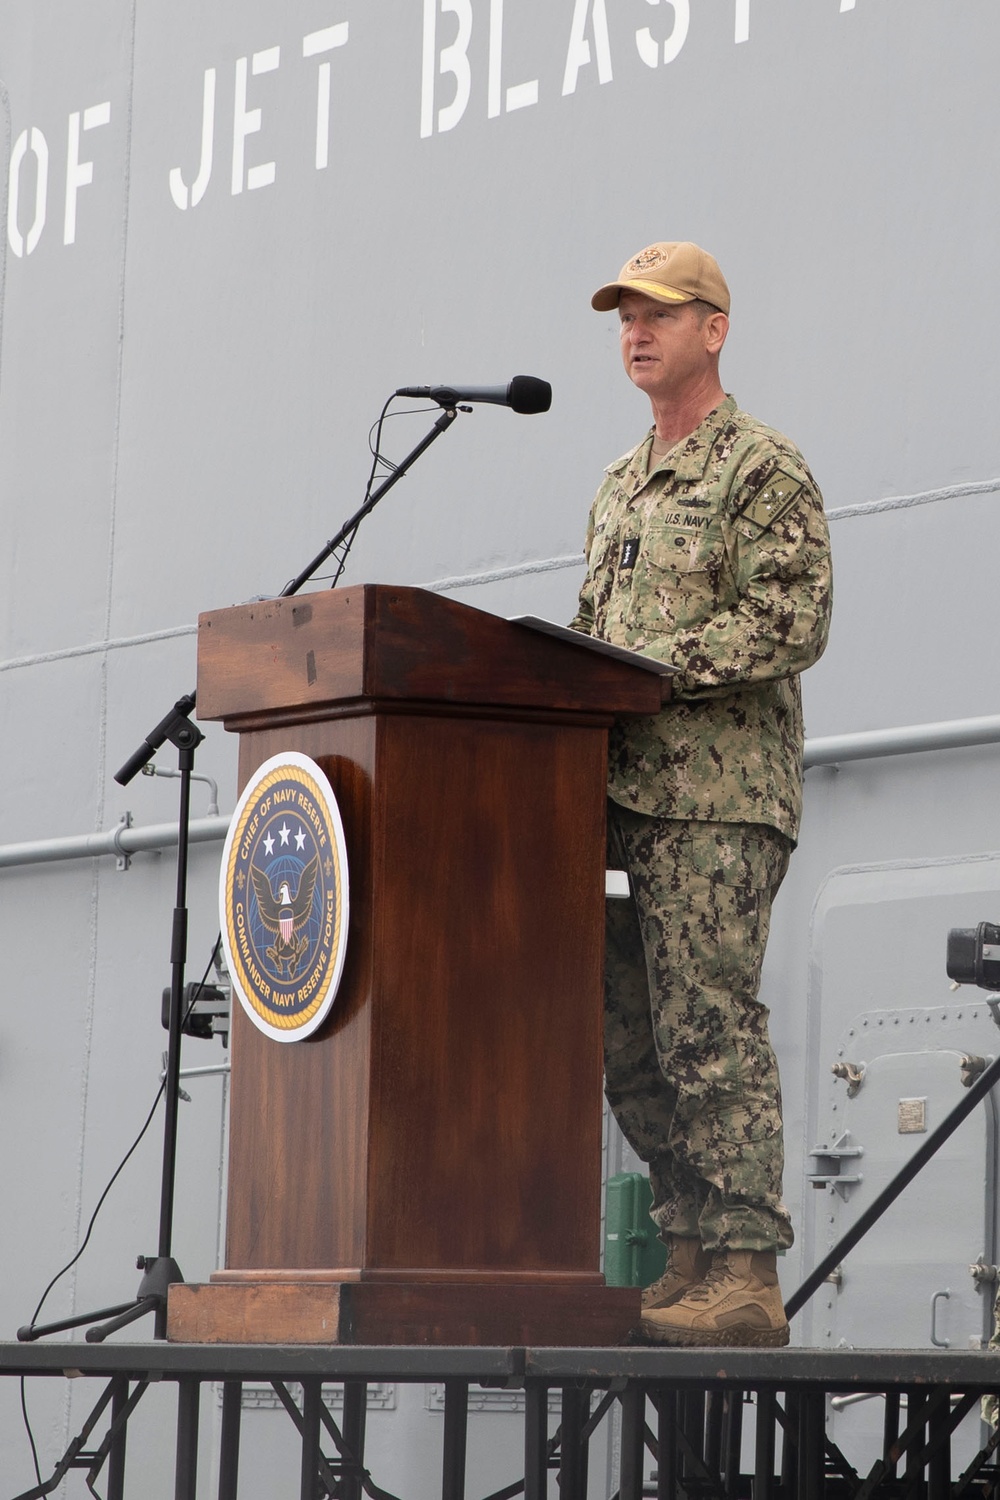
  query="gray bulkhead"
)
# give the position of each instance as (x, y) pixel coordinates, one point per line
(232, 231)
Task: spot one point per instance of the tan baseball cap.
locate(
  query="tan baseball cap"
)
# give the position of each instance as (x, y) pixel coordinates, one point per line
(670, 271)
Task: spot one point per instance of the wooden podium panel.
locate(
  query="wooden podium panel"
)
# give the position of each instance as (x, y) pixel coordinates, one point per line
(311, 1310)
(312, 655)
(427, 1165)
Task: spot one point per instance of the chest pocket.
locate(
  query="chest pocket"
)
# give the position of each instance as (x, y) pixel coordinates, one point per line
(603, 561)
(680, 575)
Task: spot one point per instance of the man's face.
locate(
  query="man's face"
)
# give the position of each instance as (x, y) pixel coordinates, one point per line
(667, 347)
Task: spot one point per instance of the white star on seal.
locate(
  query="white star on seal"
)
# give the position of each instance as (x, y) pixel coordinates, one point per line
(284, 830)
(269, 845)
(300, 839)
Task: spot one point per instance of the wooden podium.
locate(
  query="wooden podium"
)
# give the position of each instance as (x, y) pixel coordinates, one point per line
(427, 1166)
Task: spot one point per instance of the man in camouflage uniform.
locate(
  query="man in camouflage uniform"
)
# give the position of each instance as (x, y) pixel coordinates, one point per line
(707, 548)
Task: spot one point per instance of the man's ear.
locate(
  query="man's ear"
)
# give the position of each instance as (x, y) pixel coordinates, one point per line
(716, 328)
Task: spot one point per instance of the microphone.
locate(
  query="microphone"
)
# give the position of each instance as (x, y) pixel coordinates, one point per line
(525, 393)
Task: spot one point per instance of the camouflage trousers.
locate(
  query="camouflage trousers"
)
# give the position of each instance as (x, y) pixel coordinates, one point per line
(689, 1069)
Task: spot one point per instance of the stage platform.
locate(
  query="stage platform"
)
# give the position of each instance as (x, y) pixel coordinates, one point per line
(706, 1423)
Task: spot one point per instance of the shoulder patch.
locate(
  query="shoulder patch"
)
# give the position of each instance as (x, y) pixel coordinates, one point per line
(775, 500)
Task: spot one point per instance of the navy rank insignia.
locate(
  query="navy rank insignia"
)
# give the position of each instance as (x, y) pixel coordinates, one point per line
(284, 897)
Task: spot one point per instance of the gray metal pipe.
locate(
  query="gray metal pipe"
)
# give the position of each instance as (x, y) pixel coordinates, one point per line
(124, 840)
(121, 841)
(952, 734)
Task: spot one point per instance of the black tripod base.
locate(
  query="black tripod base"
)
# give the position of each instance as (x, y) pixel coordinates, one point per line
(159, 1273)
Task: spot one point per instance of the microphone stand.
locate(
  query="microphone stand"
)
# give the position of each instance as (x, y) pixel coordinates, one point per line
(161, 1271)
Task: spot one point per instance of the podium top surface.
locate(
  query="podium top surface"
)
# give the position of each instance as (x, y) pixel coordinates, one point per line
(379, 643)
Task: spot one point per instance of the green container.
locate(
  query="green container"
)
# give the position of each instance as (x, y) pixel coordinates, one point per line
(634, 1255)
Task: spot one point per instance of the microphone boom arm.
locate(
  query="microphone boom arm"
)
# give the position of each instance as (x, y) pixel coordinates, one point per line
(179, 714)
(442, 424)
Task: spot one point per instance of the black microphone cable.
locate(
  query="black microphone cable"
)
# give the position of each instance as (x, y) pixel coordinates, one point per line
(195, 991)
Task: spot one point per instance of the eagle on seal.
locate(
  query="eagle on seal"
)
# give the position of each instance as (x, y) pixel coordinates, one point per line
(283, 914)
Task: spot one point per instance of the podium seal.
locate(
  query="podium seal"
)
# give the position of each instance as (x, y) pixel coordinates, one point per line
(284, 897)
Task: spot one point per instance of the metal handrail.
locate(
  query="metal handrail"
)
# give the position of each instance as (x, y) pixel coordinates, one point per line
(948, 734)
(830, 750)
(122, 840)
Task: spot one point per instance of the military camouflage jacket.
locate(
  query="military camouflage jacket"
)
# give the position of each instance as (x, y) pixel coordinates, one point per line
(717, 561)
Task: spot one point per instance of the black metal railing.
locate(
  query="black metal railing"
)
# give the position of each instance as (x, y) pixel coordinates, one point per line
(712, 1424)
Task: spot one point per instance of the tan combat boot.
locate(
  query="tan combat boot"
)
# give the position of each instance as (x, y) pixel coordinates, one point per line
(687, 1263)
(738, 1303)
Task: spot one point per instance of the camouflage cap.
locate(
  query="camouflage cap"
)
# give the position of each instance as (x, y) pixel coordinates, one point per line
(670, 271)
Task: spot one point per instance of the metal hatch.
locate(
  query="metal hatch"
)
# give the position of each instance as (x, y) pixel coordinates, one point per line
(908, 1283)
(924, 1275)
